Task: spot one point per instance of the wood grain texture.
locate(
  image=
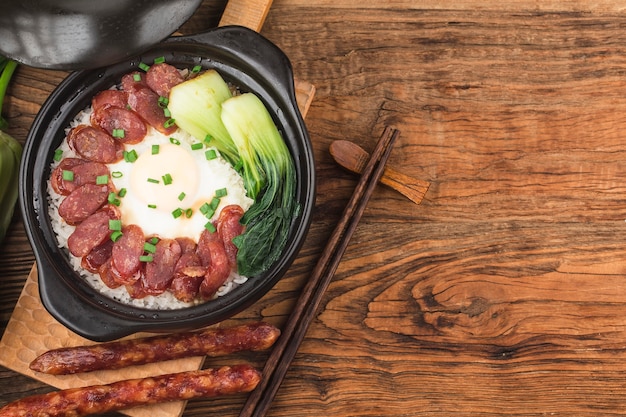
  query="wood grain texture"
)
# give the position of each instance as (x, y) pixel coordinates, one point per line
(503, 293)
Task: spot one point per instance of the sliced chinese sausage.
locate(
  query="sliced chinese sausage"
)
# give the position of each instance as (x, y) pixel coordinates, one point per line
(105, 98)
(83, 202)
(93, 231)
(145, 102)
(126, 253)
(94, 144)
(82, 172)
(136, 289)
(212, 255)
(188, 275)
(107, 276)
(160, 271)
(162, 77)
(97, 257)
(58, 183)
(228, 227)
(133, 79)
(123, 124)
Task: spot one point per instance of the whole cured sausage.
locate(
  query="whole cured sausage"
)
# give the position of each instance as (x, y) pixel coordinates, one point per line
(97, 399)
(115, 355)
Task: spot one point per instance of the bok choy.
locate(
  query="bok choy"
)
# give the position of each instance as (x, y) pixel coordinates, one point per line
(256, 149)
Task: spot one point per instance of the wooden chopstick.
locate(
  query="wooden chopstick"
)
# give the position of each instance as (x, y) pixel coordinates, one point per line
(285, 348)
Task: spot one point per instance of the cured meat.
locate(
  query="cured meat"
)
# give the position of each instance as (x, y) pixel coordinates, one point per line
(125, 262)
(132, 79)
(228, 227)
(160, 272)
(105, 98)
(84, 172)
(92, 231)
(211, 342)
(188, 275)
(212, 255)
(97, 257)
(83, 202)
(107, 276)
(162, 77)
(145, 102)
(121, 123)
(120, 395)
(94, 144)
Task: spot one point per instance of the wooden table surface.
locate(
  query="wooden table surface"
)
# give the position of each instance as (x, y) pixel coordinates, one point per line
(504, 292)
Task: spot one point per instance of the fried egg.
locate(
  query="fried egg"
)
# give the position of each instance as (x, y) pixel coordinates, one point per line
(172, 186)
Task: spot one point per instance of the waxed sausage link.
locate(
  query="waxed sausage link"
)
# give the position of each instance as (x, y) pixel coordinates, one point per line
(119, 354)
(97, 399)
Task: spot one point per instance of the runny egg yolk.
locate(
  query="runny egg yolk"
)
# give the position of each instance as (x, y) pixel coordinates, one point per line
(159, 180)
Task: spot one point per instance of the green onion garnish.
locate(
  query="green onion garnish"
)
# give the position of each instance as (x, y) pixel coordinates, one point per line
(163, 101)
(112, 199)
(144, 67)
(169, 123)
(154, 240)
(130, 156)
(153, 181)
(116, 174)
(210, 227)
(181, 196)
(166, 113)
(188, 213)
(155, 149)
(174, 141)
(115, 224)
(159, 60)
(146, 258)
(122, 192)
(177, 213)
(149, 247)
(215, 202)
(118, 133)
(210, 154)
(102, 179)
(196, 69)
(167, 179)
(116, 235)
(68, 175)
(197, 146)
(208, 138)
(58, 154)
(136, 77)
(222, 192)
(152, 206)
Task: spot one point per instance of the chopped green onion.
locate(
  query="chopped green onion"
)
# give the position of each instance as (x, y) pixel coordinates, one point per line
(177, 213)
(222, 192)
(174, 141)
(204, 209)
(153, 181)
(163, 101)
(167, 113)
(169, 123)
(210, 154)
(159, 60)
(181, 196)
(117, 174)
(115, 224)
(167, 179)
(146, 258)
(215, 202)
(130, 156)
(102, 179)
(144, 67)
(118, 133)
(122, 192)
(210, 227)
(188, 213)
(197, 146)
(116, 235)
(112, 199)
(149, 247)
(152, 206)
(155, 149)
(196, 69)
(58, 154)
(136, 77)
(208, 139)
(68, 175)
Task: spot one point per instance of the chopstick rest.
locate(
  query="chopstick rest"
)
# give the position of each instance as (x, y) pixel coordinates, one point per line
(285, 348)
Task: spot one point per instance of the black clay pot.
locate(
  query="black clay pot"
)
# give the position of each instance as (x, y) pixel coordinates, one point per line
(241, 56)
(79, 34)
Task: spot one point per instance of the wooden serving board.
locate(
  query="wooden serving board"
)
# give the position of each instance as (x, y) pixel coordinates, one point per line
(32, 330)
